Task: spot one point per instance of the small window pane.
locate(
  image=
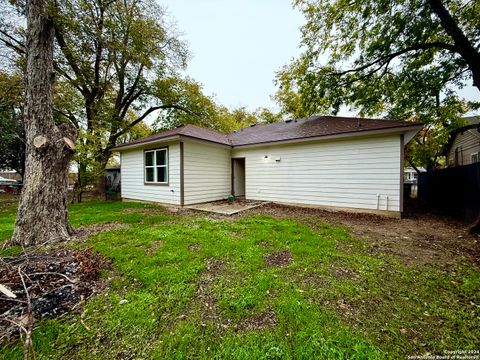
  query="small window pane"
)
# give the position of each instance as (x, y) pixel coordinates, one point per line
(162, 174)
(149, 158)
(149, 174)
(162, 157)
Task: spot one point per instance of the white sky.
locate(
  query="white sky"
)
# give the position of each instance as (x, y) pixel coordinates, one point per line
(237, 46)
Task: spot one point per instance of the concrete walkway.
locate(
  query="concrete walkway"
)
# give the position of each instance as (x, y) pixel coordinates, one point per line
(226, 207)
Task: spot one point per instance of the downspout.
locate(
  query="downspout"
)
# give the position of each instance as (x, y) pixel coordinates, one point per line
(402, 159)
(182, 176)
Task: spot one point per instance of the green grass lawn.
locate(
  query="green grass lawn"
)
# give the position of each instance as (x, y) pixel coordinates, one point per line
(200, 287)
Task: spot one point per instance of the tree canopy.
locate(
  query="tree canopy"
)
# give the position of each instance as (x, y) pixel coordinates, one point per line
(402, 59)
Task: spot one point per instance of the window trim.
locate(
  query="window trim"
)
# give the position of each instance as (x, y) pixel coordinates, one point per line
(167, 166)
(477, 155)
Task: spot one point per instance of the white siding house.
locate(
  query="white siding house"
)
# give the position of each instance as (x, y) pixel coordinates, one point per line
(361, 173)
(343, 163)
(464, 145)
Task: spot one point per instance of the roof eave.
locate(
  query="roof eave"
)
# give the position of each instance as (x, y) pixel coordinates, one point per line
(130, 146)
(411, 130)
(166, 139)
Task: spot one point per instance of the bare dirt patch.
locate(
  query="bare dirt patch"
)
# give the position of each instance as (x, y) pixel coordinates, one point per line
(208, 304)
(263, 320)
(417, 239)
(84, 232)
(205, 298)
(195, 247)
(157, 245)
(55, 282)
(344, 273)
(279, 259)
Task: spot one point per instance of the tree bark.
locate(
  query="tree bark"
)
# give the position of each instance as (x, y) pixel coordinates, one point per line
(42, 214)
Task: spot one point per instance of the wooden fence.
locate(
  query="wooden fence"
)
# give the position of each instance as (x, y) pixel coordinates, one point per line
(455, 191)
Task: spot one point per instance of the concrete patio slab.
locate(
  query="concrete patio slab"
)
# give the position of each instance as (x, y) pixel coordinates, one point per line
(226, 207)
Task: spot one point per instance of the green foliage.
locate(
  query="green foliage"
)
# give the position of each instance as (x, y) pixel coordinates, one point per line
(390, 58)
(204, 111)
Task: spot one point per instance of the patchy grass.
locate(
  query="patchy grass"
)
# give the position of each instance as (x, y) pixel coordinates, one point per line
(254, 287)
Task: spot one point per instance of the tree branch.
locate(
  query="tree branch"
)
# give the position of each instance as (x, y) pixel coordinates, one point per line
(114, 138)
(463, 45)
(391, 56)
(20, 49)
(70, 58)
(18, 42)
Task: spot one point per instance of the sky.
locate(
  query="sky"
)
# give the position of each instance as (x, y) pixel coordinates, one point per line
(237, 46)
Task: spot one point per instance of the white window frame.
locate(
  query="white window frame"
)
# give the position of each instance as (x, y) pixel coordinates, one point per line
(476, 156)
(155, 166)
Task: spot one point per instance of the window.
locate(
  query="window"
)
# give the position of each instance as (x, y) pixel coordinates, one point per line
(475, 158)
(156, 166)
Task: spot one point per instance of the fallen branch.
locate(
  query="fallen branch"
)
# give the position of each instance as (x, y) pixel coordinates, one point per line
(27, 344)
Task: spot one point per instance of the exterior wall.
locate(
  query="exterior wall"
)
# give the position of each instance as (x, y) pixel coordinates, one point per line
(132, 176)
(464, 144)
(207, 172)
(238, 177)
(340, 173)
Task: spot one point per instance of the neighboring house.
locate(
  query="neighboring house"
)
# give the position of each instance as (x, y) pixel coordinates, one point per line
(410, 178)
(411, 175)
(320, 161)
(463, 147)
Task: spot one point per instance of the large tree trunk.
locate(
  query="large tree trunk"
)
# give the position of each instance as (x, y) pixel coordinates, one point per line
(42, 213)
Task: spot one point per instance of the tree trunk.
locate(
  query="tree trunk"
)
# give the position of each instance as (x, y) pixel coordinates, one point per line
(42, 214)
(102, 161)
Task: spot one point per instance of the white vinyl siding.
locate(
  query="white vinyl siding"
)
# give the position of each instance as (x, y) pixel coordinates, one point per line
(207, 172)
(464, 145)
(132, 173)
(341, 173)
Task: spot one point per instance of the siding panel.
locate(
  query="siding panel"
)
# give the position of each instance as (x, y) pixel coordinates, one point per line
(207, 172)
(465, 144)
(346, 173)
(132, 177)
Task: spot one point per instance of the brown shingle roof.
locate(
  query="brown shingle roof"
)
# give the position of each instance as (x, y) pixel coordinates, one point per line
(315, 126)
(185, 130)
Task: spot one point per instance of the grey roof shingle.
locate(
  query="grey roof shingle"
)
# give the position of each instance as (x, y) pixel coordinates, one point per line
(315, 126)
(185, 130)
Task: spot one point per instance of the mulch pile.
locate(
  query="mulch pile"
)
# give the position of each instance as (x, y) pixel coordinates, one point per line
(57, 282)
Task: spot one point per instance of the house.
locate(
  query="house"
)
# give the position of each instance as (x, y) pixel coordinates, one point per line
(411, 175)
(463, 147)
(339, 162)
(410, 179)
